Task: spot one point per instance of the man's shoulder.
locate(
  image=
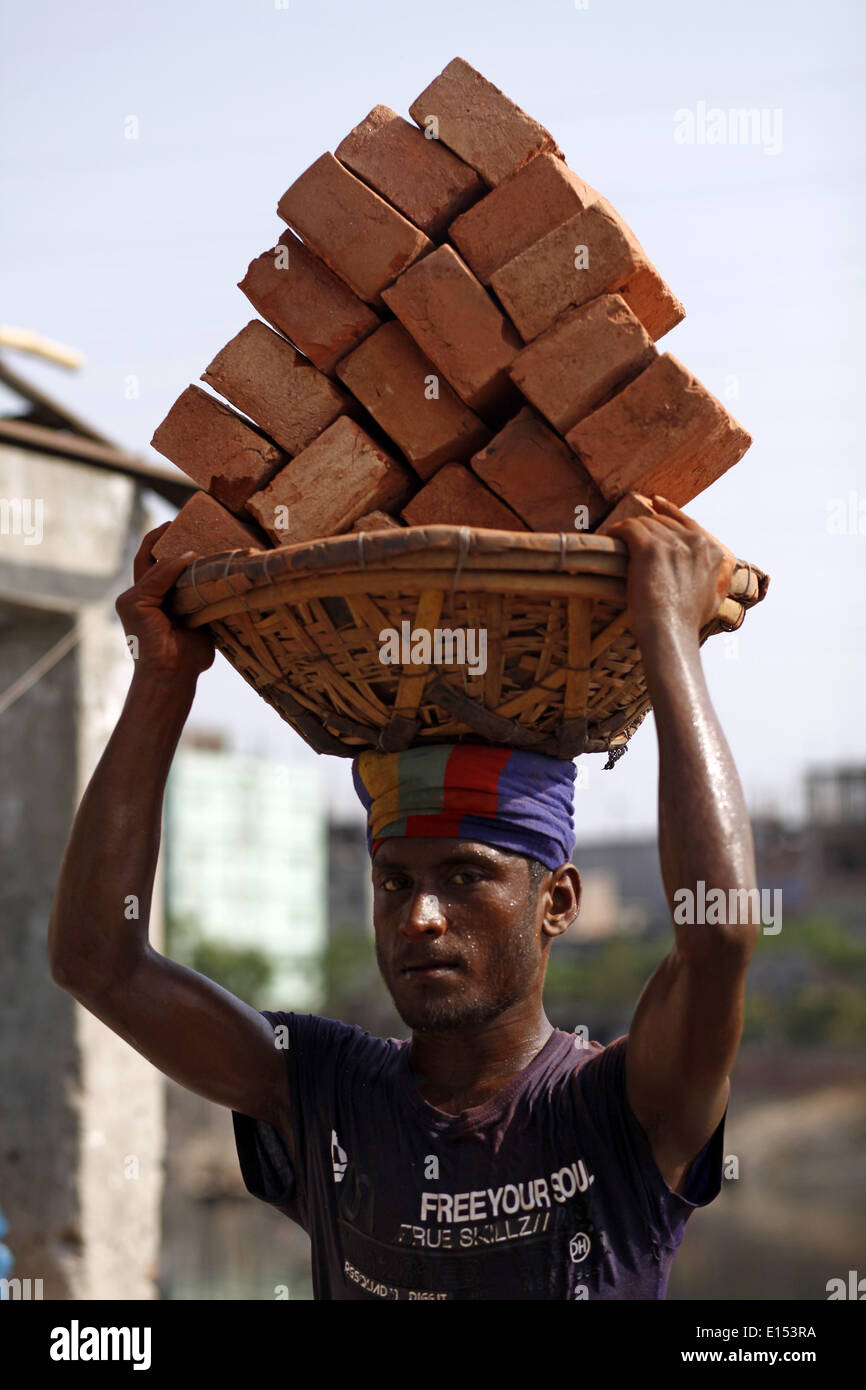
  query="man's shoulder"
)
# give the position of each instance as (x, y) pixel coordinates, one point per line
(585, 1050)
(592, 1071)
(314, 1035)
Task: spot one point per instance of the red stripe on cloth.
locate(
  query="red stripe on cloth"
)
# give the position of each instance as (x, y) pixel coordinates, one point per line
(439, 825)
(471, 785)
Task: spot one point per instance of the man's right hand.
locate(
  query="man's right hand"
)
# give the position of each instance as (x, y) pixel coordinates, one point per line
(164, 650)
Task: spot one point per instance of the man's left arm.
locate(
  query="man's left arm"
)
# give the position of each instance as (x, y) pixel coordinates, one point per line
(688, 1022)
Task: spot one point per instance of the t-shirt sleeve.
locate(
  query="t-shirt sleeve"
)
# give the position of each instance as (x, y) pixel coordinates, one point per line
(318, 1052)
(601, 1084)
(263, 1152)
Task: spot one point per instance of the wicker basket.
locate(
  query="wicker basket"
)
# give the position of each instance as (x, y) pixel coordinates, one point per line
(304, 625)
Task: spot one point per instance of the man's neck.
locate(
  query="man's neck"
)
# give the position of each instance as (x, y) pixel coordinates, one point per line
(461, 1068)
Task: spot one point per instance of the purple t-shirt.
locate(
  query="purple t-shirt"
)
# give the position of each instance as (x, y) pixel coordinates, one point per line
(547, 1191)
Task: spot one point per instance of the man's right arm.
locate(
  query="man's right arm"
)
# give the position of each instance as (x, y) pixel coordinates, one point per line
(186, 1025)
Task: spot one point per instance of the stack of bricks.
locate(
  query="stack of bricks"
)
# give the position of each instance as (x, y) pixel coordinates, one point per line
(462, 331)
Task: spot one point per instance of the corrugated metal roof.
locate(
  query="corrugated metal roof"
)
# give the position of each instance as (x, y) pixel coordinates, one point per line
(52, 429)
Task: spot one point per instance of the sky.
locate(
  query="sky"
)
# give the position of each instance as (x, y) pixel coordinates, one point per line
(143, 150)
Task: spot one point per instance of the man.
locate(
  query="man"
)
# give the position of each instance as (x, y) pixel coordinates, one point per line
(491, 1156)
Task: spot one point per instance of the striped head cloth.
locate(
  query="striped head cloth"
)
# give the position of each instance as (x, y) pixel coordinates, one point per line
(516, 801)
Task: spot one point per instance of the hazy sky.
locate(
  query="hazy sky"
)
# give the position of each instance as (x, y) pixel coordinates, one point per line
(130, 250)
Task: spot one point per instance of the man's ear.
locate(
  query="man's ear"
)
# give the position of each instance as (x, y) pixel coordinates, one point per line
(563, 894)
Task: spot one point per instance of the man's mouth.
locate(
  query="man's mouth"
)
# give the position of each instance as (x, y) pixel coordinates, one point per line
(429, 969)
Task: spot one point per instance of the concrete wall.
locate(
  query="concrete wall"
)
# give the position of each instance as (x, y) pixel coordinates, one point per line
(81, 1114)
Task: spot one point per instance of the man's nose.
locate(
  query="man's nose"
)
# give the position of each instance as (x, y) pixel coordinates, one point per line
(424, 917)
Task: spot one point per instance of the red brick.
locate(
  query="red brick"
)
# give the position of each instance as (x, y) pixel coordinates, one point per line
(263, 375)
(420, 177)
(207, 528)
(519, 211)
(340, 477)
(389, 374)
(354, 231)
(457, 324)
(634, 504)
(308, 302)
(220, 451)
(377, 521)
(542, 282)
(480, 123)
(573, 367)
(664, 433)
(454, 497)
(537, 475)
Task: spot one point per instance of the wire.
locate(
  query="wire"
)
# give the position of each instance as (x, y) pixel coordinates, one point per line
(39, 669)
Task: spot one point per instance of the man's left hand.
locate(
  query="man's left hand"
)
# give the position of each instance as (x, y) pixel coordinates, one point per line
(677, 572)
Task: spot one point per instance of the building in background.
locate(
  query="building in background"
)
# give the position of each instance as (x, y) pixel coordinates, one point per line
(622, 890)
(81, 1113)
(350, 888)
(836, 800)
(246, 861)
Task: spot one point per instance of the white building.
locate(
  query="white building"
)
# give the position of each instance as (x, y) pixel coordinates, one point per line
(246, 860)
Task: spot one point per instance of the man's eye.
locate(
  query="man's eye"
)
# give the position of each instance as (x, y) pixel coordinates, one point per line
(393, 883)
(465, 876)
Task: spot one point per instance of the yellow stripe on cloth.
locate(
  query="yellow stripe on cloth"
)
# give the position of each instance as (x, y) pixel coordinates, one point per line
(380, 774)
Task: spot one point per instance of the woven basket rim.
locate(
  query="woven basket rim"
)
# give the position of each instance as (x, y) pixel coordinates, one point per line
(554, 552)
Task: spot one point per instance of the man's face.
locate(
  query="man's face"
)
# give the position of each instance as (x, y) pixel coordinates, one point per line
(458, 931)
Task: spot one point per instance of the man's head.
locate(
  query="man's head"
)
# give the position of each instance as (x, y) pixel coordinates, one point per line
(470, 847)
(463, 929)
